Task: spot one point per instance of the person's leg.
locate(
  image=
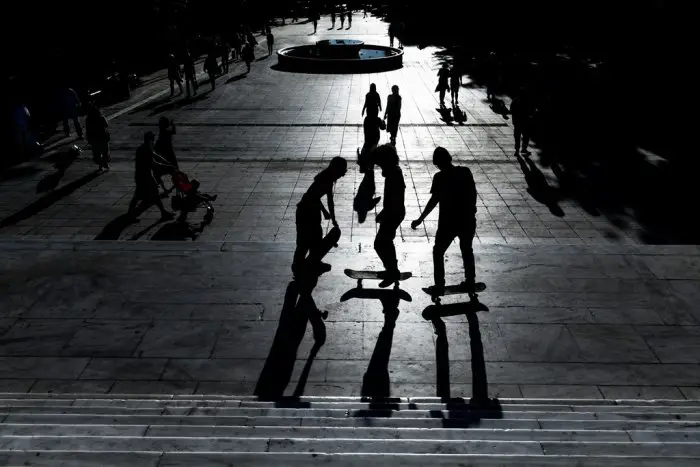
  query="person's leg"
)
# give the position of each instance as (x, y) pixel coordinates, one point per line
(133, 203)
(466, 238)
(66, 128)
(78, 128)
(516, 135)
(442, 96)
(384, 245)
(443, 240)
(526, 138)
(172, 87)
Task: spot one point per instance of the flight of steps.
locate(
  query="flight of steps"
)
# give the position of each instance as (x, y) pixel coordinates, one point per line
(167, 430)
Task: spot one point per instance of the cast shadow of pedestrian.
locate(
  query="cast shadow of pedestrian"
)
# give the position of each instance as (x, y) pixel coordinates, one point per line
(48, 200)
(298, 309)
(238, 77)
(460, 116)
(499, 107)
(365, 200)
(480, 405)
(445, 114)
(179, 231)
(61, 160)
(171, 105)
(538, 187)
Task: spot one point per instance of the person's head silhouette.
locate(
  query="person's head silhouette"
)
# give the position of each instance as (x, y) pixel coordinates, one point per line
(394, 89)
(338, 167)
(372, 87)
(441, 158)
(163, 123)
(386, 156)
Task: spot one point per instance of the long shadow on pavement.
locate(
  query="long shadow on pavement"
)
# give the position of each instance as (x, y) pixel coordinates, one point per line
(460, 413)
(48, 200)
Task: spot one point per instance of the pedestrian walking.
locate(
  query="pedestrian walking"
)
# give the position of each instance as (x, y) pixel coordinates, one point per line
(341, 13)
(70, 110)
(97, 131)
(146, 185)
(349, 17)
(225, 53)
(248, 55)
(174, 75)
(190, 74)
(164, 148)
(454, 189)
(392, 115)
(443, 83)
(373, 103)
(211, 68)
(270, 41)
(455, 83)
(522, 110)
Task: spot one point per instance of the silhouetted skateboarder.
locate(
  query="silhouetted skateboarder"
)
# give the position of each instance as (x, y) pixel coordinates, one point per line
(309, 209)
(390, 218)
(455, 190)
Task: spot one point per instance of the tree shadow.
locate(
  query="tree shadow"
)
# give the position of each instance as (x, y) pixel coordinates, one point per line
(48, 200)
(365, 200)
(538, 187)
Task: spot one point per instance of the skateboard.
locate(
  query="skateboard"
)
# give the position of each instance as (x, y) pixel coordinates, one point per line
(327, 243)
(373, 275)
(454, 290)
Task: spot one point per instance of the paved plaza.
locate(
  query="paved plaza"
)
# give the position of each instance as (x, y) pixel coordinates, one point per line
(577, 305)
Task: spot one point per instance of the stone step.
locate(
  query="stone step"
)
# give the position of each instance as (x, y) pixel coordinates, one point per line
(691, 434)
(219, 459)
(349, 405)
(346, 445)
(326, 399)
(197, 420)
(459, 413)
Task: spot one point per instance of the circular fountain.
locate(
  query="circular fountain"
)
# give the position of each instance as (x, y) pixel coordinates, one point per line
(340, 56)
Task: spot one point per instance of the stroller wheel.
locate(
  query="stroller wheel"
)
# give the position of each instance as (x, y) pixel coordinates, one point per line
(209, 216)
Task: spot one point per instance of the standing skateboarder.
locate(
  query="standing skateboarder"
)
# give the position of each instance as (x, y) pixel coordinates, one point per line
(455, 190)
(390, 218)
(309, 209)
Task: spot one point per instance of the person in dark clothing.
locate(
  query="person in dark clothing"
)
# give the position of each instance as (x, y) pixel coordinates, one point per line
(70, 109)
(372, 135)
(174, 74)
(211, 68)
(373, 103)
(248, 55)
(97, 131)
(455, 190)
(455, 83)
(521, 110)
(308, 215)
(349, 13)
(443, 83)
(146, 185)
(393, 213)
(393, 113)
(164, 148)
(190, 74)
(270, 41)
(225, 54)
(332, 16)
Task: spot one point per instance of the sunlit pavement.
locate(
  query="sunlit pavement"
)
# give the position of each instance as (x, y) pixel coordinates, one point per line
(577, 306)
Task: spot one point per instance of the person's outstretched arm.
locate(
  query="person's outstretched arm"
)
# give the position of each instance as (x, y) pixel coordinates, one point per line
(428, 209)
(331, 207)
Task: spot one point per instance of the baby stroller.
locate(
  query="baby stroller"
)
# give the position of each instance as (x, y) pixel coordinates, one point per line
(187, 197)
